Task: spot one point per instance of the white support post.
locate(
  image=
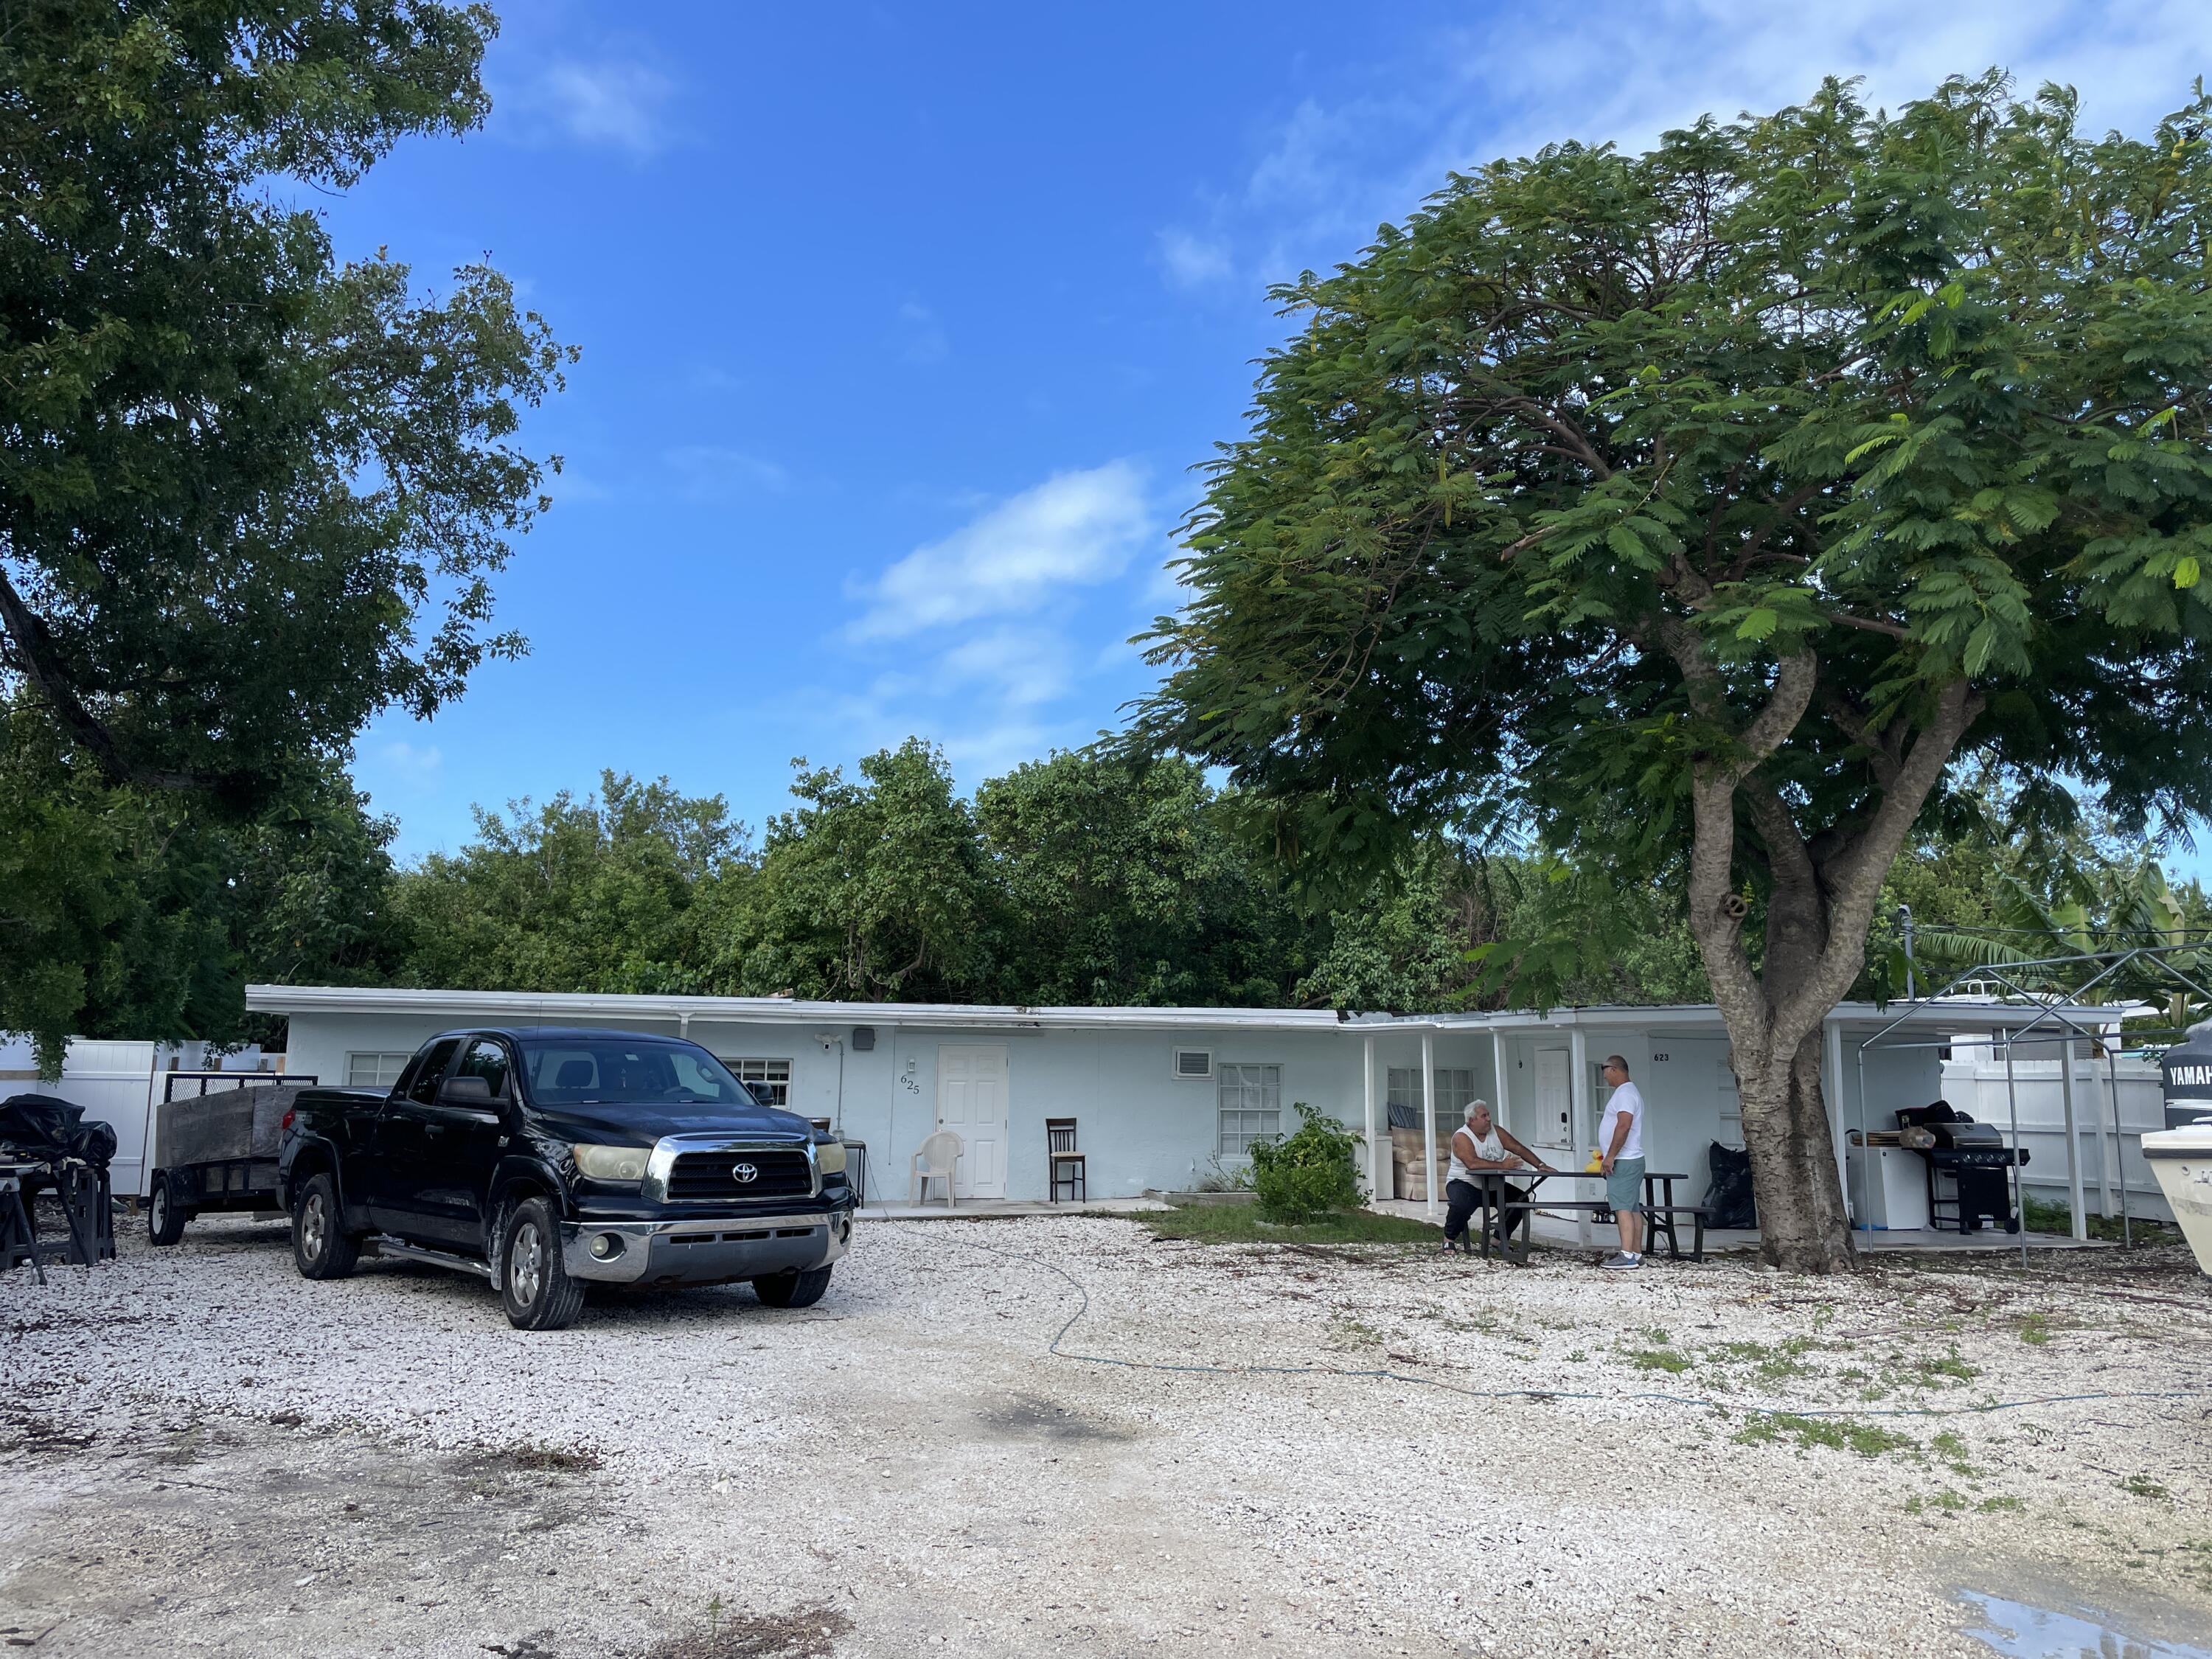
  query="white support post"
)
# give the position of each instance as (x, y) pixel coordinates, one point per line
(1378, 1143)
(1429, 1112)
(2079, 1223)
(1832, 1084)
(1578, 1075)
(1497, 1067)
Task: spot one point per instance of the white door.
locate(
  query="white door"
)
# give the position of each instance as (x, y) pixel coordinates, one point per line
(971, 1101)
(1554, 1135)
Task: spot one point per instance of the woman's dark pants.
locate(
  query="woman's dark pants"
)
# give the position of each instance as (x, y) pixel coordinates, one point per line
(1465, 1198)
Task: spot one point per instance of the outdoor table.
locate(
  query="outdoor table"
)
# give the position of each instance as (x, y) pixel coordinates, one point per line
(1491, 1184)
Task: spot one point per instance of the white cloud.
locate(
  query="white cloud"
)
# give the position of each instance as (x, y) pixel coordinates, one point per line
(619, 104)
(1193, 261)
(409, 763)
(713, 473)
(1075, 530)
(922, 336)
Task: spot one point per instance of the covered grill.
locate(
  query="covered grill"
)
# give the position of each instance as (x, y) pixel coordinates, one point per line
(1967, 1167)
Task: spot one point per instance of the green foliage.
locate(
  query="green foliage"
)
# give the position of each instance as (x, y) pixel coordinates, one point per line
(1548, 484)
(620, 892)
(1127, 883)
(249, 496)
(875, 888)
(1308, 1174)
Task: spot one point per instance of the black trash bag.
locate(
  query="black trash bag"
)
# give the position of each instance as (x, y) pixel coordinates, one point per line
(94, 1142)
(1727, 1198)
(39, 1126)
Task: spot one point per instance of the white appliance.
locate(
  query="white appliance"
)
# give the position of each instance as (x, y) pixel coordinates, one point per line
(2182, 1160)
(1889, 1188)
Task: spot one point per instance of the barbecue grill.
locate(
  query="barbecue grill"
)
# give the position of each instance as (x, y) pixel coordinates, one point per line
(1966, 1162)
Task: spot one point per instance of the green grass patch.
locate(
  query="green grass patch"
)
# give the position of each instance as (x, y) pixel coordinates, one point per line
(1992, 1505)
(2046, 1215)
(2141, 1485)
(1947, 1500)
(1830, 1433)
(2035, 1330)
(1774, 1362)
(1670, 1360)
(1240, 1224)
(1940, 1373)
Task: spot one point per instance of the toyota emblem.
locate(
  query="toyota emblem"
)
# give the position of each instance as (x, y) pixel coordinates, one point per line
(746, 1173)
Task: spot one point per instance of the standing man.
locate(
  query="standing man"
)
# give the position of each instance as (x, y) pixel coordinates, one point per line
(1620, 1154)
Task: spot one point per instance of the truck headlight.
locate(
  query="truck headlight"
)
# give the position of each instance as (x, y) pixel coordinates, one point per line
(612, 1163)
(831, 1156)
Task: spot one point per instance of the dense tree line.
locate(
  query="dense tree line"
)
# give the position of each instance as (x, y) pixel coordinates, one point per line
(1083, 878)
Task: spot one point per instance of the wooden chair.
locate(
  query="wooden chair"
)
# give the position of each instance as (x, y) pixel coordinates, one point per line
(1064, 1165)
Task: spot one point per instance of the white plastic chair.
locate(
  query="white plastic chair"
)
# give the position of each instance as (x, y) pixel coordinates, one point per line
(934, 1162)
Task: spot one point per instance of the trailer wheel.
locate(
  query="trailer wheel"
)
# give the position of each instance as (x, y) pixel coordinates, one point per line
(321, 1246)
(534, 1282)
(792, 1289)
(165, 1216)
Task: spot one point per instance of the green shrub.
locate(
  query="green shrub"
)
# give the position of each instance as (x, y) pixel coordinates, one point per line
(1309, 1173)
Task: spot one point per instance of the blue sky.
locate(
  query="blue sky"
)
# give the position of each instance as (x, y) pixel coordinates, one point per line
(904, 326)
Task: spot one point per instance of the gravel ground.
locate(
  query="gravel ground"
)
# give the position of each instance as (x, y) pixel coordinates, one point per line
(1344, 1451)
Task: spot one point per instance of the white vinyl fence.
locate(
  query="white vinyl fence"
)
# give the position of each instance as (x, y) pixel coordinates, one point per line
(2108, 1145)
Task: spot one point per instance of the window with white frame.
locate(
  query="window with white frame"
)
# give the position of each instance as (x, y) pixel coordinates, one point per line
(769, 1081)
(1251, 1099)
(1455, 1094)
(374, 1070)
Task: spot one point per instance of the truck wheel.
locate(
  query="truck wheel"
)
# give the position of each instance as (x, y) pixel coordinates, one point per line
(321, 1246)
(165, 1216)
(793, 1289)
(534, 1283)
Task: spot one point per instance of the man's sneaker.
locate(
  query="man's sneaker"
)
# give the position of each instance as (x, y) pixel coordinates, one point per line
(1622, 1259)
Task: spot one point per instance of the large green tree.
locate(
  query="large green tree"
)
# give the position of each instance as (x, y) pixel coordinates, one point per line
(1124, 882)
(1706, 506)
(619, 892)
(250, 495)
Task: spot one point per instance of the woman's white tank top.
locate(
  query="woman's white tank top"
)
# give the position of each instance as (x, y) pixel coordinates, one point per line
(1489, 1146)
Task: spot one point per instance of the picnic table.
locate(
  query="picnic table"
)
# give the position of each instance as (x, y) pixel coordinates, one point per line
(1659, 1207)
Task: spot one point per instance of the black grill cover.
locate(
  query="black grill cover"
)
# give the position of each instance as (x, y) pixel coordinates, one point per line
(1727, 1198)
(42, 1126)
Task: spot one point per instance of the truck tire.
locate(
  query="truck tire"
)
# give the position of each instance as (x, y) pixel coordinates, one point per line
(321, 1246)
(534, 1284)
(165, 1215)
(793, 1289)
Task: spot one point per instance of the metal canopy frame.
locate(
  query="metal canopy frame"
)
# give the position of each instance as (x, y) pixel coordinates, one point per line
(2051, 1010)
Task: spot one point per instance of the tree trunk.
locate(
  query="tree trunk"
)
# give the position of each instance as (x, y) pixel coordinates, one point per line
(1803, 1225)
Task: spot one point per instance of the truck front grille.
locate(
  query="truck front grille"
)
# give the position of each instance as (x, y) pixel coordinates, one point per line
(778, 1172)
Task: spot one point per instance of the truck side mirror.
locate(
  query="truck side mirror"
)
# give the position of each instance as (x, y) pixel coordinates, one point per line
(465, 1091)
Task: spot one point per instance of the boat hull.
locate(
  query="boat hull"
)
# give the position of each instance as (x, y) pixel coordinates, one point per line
(2182, 1160)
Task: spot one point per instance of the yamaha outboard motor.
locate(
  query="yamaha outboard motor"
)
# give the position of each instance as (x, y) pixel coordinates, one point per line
(2186, 1071)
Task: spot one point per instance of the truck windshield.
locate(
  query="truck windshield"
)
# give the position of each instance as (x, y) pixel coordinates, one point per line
(593, 1071)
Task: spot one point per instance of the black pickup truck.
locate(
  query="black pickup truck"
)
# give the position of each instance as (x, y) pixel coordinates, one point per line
(543, 1159)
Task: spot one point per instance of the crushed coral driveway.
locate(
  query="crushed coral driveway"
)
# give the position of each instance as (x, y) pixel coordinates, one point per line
(1235, 1449)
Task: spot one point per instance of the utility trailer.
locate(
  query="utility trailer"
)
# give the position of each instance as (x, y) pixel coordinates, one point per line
(216, 1149)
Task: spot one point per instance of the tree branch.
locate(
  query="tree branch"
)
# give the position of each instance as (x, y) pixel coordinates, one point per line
(32, 648)
(1855, 875)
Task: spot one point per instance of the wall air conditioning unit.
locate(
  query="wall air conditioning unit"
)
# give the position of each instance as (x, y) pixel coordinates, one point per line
(1193, 1065)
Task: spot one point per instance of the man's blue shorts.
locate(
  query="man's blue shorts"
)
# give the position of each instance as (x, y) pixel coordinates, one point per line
(1623, 1187)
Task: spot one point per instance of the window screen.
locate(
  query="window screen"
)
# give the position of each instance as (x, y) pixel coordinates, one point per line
(769, 1081)
(1251, 1099)
(374, 1070)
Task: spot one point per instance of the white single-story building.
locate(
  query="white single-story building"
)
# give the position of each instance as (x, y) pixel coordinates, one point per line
(1162, 1097)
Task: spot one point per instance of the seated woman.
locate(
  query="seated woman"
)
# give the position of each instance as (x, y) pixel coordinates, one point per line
(1480, 1149)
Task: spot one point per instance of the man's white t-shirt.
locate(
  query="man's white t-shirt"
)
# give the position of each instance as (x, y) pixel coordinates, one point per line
(1627, 1102)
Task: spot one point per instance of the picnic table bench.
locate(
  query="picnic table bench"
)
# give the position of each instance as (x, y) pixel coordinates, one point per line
(1659, 1207)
